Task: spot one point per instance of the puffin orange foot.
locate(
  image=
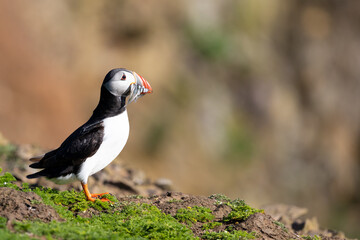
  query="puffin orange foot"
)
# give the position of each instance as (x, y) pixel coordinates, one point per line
(93, 197)
(97, 195)
(106, 200)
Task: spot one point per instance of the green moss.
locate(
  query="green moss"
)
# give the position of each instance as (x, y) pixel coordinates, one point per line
(136, 197)
(3, 222)
(36, 202)
(280, 224)
(175, 201)
(72, 200)
(194, 214)
(240, 211)
(25, 187)
(241, 235)
(7, 235)
(133, 221)
(315, 237)
(220, 198)
(7, 180)
(210, 225)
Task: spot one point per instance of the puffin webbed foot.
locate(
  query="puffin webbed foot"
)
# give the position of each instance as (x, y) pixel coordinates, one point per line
(94, 196)
(99, 196)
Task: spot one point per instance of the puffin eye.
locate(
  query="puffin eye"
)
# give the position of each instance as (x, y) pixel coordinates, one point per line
(123, 76)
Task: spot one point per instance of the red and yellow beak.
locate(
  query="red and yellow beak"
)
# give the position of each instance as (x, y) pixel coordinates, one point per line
(146, 88)
(139, 88)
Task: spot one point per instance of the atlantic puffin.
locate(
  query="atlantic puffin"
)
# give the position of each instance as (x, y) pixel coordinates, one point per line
(95, 144)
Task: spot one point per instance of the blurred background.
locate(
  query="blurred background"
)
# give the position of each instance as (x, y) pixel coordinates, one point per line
(253, 99)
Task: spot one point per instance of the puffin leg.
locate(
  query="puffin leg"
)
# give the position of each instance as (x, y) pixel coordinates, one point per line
(87, 193)
(93, 197)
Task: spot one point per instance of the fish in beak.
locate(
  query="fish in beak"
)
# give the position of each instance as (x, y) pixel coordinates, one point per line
(139, 88)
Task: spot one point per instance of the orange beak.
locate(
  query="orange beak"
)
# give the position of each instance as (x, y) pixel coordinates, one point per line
(139, 88)
(144, 83)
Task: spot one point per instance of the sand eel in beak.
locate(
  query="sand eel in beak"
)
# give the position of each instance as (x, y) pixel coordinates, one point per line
(95, 144)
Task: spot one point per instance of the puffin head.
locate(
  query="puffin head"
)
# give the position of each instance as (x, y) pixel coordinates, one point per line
(121, 82)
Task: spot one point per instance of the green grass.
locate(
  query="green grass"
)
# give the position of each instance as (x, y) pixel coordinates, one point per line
(220, 198)
(280, 224)
(315, 237)
(240, 211)
(194, 214)
(210, 225)
(7, 235)
(63, 201)
(7, 179)
(175, 201)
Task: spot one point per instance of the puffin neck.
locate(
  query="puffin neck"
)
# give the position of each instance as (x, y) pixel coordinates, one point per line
(109, 105)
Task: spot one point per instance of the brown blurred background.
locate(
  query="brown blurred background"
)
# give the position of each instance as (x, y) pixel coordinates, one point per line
(254, 99)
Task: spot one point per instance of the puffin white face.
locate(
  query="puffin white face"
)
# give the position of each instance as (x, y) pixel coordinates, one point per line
(123, 83)
(119, 84)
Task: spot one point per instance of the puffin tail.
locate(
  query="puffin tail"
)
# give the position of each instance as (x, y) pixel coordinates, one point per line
(42, 161)
(36, 175)
(36, 165)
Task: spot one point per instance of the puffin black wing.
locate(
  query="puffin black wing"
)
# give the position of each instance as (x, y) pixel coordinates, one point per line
(67, 159)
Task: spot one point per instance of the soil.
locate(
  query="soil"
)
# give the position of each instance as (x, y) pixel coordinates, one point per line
(17, 205)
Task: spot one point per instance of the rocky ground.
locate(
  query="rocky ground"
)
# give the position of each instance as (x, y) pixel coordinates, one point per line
(132, 186)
